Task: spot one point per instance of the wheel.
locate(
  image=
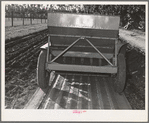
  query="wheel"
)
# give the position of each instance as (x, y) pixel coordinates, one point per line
(42, 74)
(120, 82)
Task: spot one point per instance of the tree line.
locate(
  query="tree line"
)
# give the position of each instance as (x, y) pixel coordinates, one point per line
(131, 15)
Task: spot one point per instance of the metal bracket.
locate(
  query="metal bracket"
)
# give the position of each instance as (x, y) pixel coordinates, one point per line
(83, 37)
(64, 51)
(99, 52)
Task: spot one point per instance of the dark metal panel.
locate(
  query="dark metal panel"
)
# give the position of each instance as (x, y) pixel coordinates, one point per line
(85, 49)
(82, 42)
(83, 21)
(83, 32)
(82, 68)
(82, 54)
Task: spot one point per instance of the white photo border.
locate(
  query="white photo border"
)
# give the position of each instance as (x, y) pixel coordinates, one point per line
(68, 115)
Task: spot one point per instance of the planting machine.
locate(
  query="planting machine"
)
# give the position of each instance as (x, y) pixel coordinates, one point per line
(84, 47)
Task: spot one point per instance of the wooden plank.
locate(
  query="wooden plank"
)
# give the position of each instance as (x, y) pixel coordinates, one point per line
(79, 102)
(51, 97)
(89, 93)
(82, 54)
(74, 92)
(36, 99)
(46, 99)
(106, 103)
(108, 93)
(84, 92)
(79, 91)
(64, 93)
(82, 68)
(113, 99)
(60, 103)
(48, 104)
(56, 91)
(99, 96)
(70, 79)
(94, 96)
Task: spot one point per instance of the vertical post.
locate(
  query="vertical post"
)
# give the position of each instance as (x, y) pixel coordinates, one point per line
(45, 17)
(116, 51)
(31, 18)
(12, 17)
(49, 44)
(23, 18)
(41, 18)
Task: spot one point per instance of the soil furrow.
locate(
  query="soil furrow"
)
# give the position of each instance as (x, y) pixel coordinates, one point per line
(17, 39)
(21, 50)
(23, 54)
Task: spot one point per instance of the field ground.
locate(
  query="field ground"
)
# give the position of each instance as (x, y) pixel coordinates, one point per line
(135, 38)
(17, 31)
(21, 62)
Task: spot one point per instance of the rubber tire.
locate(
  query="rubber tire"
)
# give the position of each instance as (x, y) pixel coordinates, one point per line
(42, 74)
(120, 82)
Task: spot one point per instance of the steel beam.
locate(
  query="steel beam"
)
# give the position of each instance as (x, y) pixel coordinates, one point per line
(49, 44)
(77, 36)
(116, 51)
(81, 68)
(63, 52)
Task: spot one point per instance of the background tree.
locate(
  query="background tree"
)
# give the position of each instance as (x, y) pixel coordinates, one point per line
(133, 15)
